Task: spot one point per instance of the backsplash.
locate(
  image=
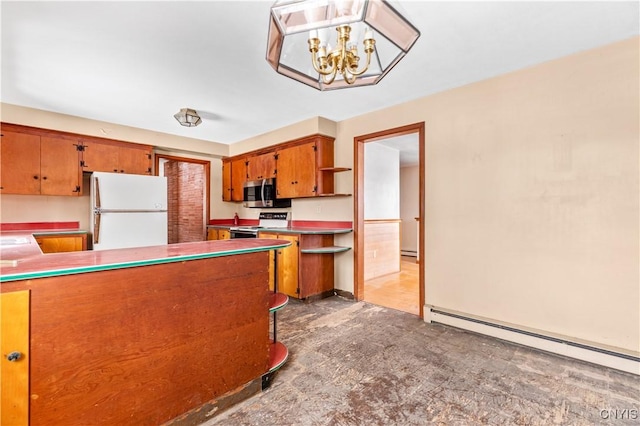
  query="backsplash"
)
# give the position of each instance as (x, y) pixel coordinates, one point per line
(44, 208)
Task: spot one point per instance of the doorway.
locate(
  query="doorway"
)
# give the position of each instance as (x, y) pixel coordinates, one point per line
(365, 238)
(188, 182)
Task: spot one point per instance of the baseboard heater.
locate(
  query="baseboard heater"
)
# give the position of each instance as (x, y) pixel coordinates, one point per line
(607, 358)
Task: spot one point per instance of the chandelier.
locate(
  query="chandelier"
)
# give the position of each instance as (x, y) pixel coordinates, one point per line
(301, 33)
(344, 58)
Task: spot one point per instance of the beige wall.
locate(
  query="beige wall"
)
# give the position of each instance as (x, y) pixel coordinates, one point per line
(532, 195)
(50, 120)
(311, 126)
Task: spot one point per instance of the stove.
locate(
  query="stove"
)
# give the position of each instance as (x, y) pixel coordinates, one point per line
(266, 220)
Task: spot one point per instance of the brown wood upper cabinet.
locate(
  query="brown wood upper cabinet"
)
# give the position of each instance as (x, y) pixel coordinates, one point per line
(234, 174)
(34, 164)
(299, 167)
(297, 176)
(35, 161)
(116, 157)
(261, 166)
(303, 167)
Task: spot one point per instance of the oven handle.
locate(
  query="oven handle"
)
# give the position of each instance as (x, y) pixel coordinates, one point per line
(264, 182)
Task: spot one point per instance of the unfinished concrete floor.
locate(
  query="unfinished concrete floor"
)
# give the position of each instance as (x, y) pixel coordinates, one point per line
(359, 364)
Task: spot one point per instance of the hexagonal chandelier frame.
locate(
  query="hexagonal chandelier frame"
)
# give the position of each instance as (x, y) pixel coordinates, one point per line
(301, 32)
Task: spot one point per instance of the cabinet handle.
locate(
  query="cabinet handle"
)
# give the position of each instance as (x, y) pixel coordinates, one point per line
(44, 178)
(35, 177)
(115, 170)
(14, 356)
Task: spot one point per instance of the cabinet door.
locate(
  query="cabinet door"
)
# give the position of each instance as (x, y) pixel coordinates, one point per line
(135, 161)
(109, 157)
(59, 167)
(286, 163)
(212, 234)
(288, 263)
(99, 157)
(306, 170)
(261, 166)
(238, 177)
(226, 180)
(297, 171)
(19, 163)
(224, 234)
(14, 338)
(59, 244)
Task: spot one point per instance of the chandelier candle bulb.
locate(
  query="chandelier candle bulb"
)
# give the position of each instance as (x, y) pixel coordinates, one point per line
(368, 34)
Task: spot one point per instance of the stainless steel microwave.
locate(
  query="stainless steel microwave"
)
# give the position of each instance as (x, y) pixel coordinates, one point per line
(262, 194)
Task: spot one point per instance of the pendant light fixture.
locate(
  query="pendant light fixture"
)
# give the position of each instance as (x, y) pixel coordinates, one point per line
(188, 117)
(333, 44)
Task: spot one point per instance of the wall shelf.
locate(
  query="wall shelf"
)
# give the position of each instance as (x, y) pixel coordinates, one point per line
(334, 169)
(325, 250)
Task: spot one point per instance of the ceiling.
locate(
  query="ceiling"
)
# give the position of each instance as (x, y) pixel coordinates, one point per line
(138, 63)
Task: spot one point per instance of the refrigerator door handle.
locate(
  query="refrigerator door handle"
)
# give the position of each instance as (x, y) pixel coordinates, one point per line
(96, 226)
(96, 216)
(98, 211)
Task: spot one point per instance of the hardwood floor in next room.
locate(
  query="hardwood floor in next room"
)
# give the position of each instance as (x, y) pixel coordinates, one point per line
(397, 291)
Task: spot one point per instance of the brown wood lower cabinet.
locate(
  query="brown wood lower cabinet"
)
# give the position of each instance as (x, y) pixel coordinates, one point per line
(58, 243)
(141, 345)
(218, 234)
(14, 365)
(304, 275)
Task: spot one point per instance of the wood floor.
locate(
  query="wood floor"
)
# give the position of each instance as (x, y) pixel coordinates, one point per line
(397, 291)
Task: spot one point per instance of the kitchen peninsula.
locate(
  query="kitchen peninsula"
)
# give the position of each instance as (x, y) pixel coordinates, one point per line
(134, 336)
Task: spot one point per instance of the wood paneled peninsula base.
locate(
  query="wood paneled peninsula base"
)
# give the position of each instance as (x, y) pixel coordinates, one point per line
(142, 336)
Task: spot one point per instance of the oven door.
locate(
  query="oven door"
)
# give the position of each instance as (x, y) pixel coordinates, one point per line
(236, 233)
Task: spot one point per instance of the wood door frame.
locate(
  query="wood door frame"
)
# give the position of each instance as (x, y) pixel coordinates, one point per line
(207, 178)
(358, 214)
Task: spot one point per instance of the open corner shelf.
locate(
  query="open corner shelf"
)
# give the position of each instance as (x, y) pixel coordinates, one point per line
(278, 354)
(334, 169)
(277, 301)
(325, 250)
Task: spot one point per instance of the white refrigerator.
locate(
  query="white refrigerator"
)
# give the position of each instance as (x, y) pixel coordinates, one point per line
(128, 210)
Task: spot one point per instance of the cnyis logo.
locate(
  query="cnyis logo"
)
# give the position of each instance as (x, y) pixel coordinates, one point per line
(619, 414)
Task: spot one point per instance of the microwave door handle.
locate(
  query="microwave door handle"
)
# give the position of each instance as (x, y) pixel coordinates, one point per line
(264, 182)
